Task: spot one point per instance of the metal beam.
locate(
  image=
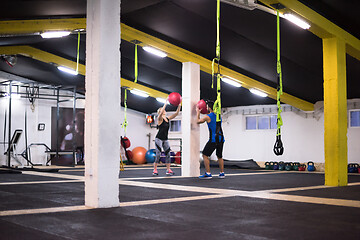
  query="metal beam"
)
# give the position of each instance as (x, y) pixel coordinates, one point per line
(174, 52)
(59, 61)
(320, 26)
(25, 27)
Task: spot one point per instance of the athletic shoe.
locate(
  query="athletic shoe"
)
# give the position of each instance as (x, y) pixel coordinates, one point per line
(221, 175)
(205, 176)
(155, 173)
(170, 173)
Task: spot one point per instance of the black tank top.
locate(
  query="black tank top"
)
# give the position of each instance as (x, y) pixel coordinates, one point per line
(163, 130)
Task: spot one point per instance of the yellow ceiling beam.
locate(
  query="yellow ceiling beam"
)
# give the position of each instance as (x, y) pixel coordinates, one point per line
(152, 92)
(24, 27)
(181, 55)
(41, 56)
(320, 26)
(59, 61)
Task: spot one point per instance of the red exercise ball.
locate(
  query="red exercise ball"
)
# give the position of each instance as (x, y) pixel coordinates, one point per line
(174, 98)
(125, 142)
(178, 158)
(129, 154)
(139, 155)
(202, 106)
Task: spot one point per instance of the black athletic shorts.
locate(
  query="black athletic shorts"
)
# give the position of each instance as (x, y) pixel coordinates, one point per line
(211, 146)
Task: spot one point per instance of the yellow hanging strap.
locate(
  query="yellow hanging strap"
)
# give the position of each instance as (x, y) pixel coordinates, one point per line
(125, 123)
(278, 147)
(217, 104)
(136, 63)
(217, 58)
(77, 54)
(121, 164)
(218, 30)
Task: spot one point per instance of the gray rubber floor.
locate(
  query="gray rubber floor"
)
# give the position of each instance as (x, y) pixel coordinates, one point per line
(230, 217)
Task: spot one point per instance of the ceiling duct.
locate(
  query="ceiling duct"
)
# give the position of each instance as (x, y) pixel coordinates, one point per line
(246, 4)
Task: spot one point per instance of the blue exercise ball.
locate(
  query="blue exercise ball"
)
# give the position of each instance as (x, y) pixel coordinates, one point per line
(150, 156)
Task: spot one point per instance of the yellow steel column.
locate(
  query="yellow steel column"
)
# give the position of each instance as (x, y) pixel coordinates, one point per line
(335, 111)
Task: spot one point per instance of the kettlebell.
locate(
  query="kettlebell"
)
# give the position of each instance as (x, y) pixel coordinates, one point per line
(302, 167)
(353, 167)
(310, 166)
(271, 165)
(281, 166)
(288, 166)
(267, 166)
(296, 166)
(276, 166)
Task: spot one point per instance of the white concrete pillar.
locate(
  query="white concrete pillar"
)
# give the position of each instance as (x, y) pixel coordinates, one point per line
(190, 129)
(102, 107)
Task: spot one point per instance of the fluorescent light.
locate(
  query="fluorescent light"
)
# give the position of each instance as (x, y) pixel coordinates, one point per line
(55, 34)
(231, 82)
(155, 51)
(301, 23)
(67, 70)
(257, 92)
(162, 100)
(139, 93)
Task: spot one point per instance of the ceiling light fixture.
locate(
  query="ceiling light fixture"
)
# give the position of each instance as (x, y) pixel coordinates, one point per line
(162, 100)
(55, 34)
(299, 22)
(231, 82)
(155, 51)
(139, 93)
(67, 70)
(257, 92)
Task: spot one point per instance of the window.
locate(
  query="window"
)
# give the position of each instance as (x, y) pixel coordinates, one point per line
(175, 126)
(273, 122)
(355, 118)
(250, 123)
(261, 122)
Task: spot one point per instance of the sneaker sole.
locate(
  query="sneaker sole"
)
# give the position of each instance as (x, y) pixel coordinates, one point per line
(222, 177)
(206, 178)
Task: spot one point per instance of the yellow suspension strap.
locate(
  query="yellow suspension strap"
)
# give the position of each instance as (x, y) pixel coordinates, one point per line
(77, 54)
(217, 58)
(136, 63)
(217, 104)
(278, 146)
(124, 125)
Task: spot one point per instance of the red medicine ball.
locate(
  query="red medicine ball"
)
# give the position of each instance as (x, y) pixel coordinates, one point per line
(174, 98)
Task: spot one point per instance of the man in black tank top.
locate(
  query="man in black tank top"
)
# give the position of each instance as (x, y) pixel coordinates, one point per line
(161, 139)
